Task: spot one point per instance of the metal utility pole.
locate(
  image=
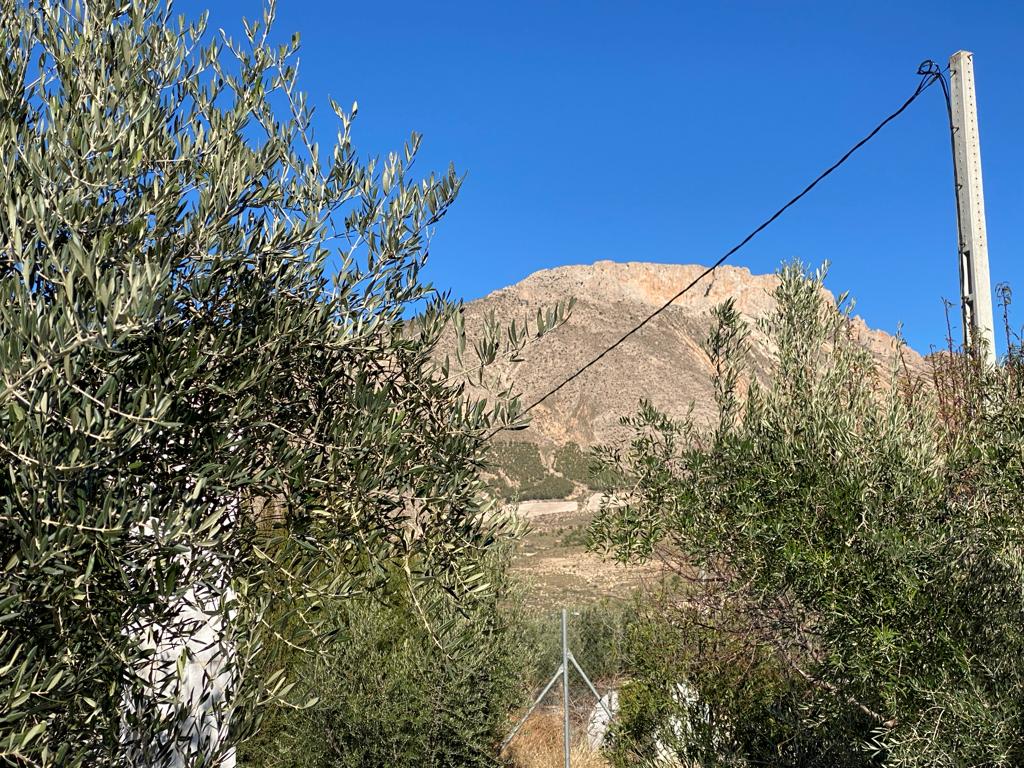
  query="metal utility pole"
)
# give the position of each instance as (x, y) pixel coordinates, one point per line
(975, 284)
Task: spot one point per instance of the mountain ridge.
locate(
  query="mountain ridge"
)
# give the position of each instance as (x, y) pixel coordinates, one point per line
(664, 362)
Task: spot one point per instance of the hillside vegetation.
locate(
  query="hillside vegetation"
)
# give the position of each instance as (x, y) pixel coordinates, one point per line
(525, 471)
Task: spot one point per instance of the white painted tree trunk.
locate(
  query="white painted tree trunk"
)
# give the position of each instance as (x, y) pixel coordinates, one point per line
(183, 696)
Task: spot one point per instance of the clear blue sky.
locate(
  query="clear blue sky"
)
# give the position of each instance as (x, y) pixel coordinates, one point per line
(664, 131)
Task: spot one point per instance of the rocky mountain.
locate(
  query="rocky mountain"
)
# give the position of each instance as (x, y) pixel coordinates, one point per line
(664, 362)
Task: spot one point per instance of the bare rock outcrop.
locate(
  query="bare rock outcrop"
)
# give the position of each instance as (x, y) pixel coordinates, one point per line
(664, 362)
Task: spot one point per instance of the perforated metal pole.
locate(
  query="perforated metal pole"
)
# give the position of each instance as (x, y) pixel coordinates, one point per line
(975, 283)
(565, 686)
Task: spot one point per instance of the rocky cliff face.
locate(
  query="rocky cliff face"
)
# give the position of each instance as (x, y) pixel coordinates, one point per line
(664, 362)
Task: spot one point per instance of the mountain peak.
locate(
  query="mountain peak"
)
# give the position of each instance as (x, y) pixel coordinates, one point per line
(664, 362)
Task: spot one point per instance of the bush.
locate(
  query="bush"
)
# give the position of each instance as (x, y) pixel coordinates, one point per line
(748, 709)
(858, 538)
(394, 686)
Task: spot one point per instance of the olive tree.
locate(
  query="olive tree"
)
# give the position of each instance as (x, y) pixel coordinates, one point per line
(850, 543)
(215, 412)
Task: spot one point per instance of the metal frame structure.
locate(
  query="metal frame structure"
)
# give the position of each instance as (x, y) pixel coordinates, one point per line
(561, 673)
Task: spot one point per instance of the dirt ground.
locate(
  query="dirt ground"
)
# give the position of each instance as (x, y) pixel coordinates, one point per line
(554, 560)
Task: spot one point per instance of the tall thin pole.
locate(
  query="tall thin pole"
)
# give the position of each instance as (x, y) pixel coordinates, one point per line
(563, 672)
(565, 687)
(975, 283)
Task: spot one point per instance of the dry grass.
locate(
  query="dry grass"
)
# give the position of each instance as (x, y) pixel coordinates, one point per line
(539, 745)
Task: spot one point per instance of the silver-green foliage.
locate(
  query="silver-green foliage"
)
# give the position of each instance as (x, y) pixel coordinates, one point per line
(389, 690)
(193, 416)
(860, 538)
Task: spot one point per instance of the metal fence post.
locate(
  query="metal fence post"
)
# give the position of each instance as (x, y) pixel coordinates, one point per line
(565, 685)
(563, 672)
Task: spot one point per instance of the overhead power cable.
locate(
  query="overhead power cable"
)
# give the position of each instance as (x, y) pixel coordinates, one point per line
(930, 73)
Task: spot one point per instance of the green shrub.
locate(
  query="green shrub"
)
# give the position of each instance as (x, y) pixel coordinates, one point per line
(858, 538)
(576, 536)
(749, 708)
(399, 684)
